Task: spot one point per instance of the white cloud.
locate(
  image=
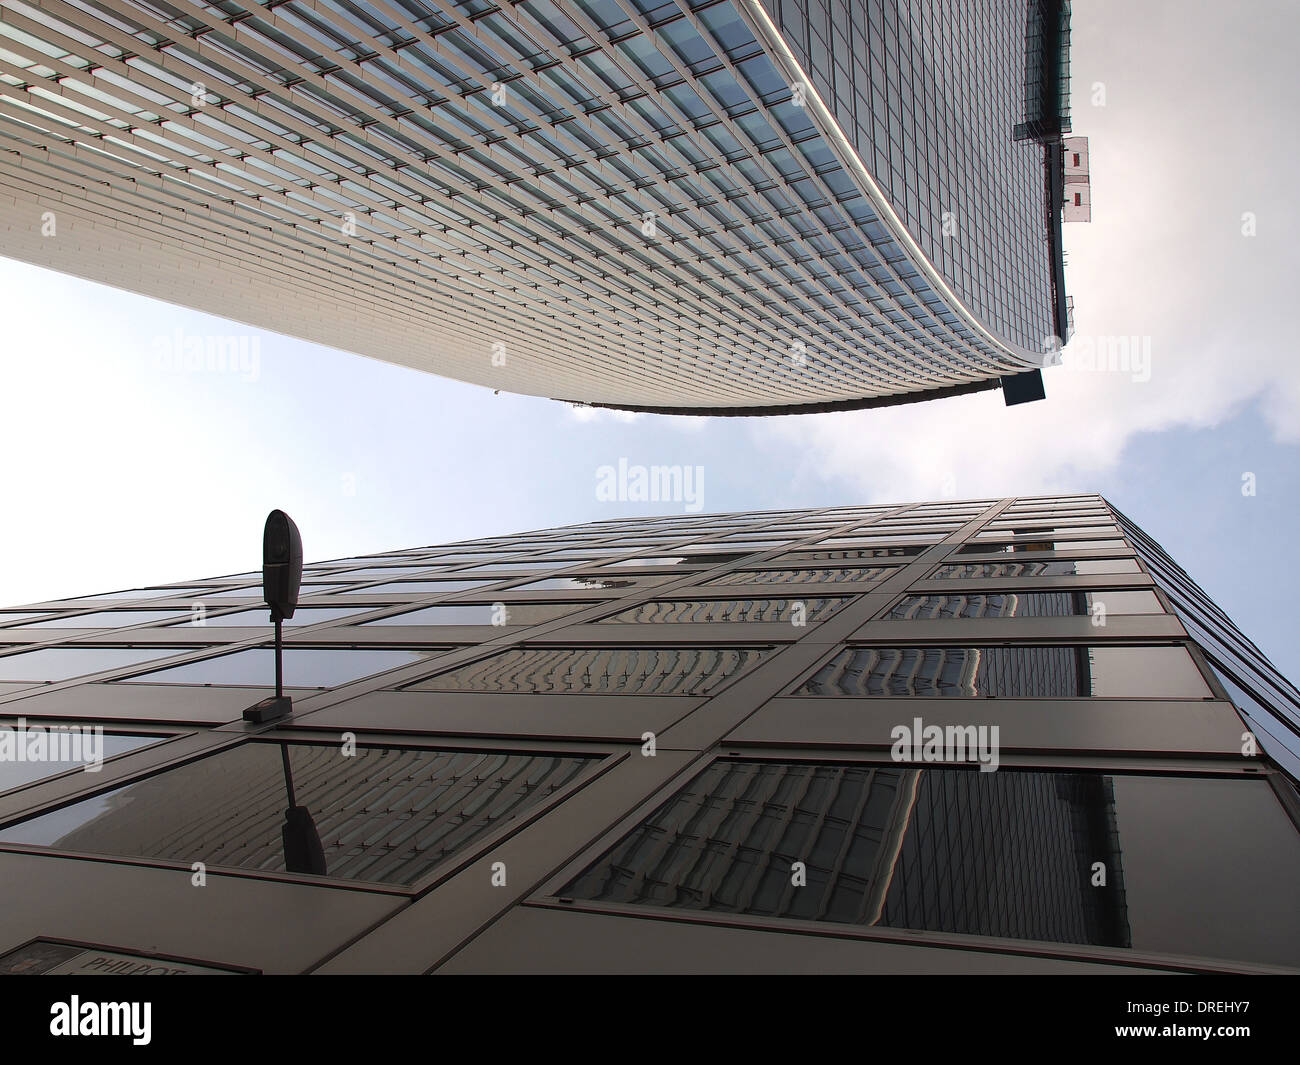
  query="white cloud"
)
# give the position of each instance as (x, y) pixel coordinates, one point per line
(602, 414)
(1176, 162)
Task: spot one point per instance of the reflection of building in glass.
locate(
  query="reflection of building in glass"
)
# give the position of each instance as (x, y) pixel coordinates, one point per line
(1005, 569)
(1006, 672)
(1005, 854)
(801, 576)
(383, 814)
(1008, 605)
(649, 671)
(686, 611)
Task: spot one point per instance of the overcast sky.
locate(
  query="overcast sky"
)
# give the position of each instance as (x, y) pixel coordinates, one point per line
(120, 473)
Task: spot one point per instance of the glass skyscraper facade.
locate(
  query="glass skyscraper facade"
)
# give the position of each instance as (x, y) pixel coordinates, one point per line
(1000, 735)
(718, 206)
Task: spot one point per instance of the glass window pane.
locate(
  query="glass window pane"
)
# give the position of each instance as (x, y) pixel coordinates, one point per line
(482, 614)
(580, 670)
(62, 663)
(417, 588)
(803, 576)
(851, 555)
(395, 572)
(136, 593)
(1037, 672)
(570, 584)
(1125, 601)
(1062, 603)
(261, 617)
(1199, 866)
(385, 814)
(103, 619)
(691, 611)
(35, 752)
(304, 667)
(661, 560)
(1145, 673)
(531, 564)
(1086, 567)
(1036, 568)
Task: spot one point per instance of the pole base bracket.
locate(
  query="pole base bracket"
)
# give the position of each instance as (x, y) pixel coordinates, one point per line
(269, 709)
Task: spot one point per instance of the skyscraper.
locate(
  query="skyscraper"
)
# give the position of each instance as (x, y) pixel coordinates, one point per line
(700, 206)
(976, 736)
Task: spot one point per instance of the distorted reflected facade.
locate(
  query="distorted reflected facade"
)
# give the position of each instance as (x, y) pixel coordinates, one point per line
(669, 744)
(717, 206)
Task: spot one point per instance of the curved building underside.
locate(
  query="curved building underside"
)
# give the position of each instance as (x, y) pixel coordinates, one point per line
(723, 207)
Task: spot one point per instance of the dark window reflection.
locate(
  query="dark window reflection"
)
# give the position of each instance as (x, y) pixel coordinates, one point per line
(687, 611)
(260, 617)
(1058, 568)
(304, 667)
(989, 547)
(103, 619)
(61, 663)
(626, 670)
(1042, 672)
(851, 555)
(803, 576)
(1025, 604)
(496, 614)
(590, 583)
(417, 587)
(15, 774)
(1197, 866)
(384, 814)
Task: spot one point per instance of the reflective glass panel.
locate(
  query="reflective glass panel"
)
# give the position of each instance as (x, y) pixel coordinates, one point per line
(1038, 568)
(62, 663)
(1041, 672)
(591, 583)
(103, 619)
(688, 611)
(261, 617)
(1198, 866)
(1026, 604)
(417, 587)
(385, 814)
(35, 752)
(581, 670)
(304, 667)
(803, 576)
(482, 614)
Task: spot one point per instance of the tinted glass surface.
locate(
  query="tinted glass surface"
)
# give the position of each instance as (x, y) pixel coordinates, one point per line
(688, 611)
(1194, 865)
(482, 614)
(304, 667)
(1026, 604)
(104, 619)
(630, 671)
(803, 576)
(385, 814)
(1043, 672)
(61, 663)
(15, 773)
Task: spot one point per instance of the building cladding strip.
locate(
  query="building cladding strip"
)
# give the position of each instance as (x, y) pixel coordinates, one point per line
(483, 191)
(1269, 701)
(769, 685)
